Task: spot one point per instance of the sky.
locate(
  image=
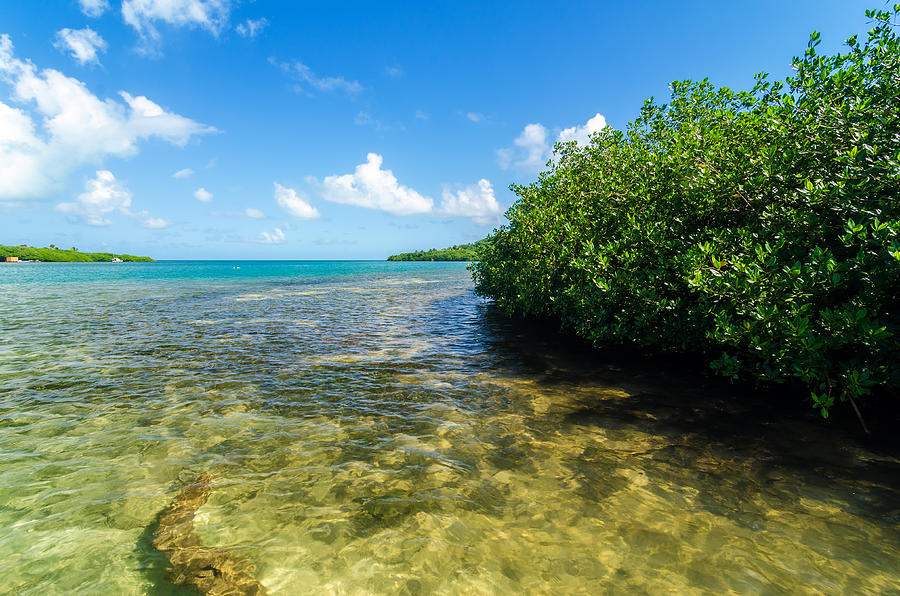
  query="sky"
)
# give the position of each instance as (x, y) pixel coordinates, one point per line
(229, 129)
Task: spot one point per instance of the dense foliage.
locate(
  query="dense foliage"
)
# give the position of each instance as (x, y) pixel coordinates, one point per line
(460, 252)
(759, 228)
(30, 253)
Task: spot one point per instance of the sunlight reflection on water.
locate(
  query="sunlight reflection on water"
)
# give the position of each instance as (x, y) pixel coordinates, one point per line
(384, 431)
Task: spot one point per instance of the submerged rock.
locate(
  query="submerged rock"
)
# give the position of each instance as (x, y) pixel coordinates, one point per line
(212, 571)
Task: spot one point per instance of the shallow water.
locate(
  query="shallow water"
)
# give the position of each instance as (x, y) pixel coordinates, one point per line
(375, 428)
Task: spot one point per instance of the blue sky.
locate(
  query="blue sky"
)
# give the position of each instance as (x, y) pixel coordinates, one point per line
(216, 129)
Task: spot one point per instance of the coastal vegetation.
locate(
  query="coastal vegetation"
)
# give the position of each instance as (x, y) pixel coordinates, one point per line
(54, 254)
(460, 252)
(758, 229)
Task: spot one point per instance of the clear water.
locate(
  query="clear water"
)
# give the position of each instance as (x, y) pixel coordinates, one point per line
(375, 428)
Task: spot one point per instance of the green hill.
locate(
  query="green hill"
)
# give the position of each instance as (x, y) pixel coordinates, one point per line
(460, 252)
(30, 253)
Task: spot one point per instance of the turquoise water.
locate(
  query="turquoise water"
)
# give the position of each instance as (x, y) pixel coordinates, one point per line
(375, 428)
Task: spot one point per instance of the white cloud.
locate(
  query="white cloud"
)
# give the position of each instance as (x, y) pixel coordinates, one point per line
(149, 119)
(371, 187)
(93, 8)
(203, 195)
(83, 44)
(102, 196)
(293, 204)
(324, 84)
(152, 223)
(182, 174)
(274, 237)
(250, 212)
(76, 127)
(22, 171)
(421, 115)
(476, 201)
(532, 150)
(475, 117)
(16, 128)
(252, 27)
(582, 134)
(211, 15)
(395, 72)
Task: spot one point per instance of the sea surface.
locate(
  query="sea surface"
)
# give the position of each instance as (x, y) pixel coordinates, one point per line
(376, 428)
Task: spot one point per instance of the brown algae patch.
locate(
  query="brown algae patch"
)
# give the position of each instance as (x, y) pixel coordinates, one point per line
(406, 441)
(213, 571)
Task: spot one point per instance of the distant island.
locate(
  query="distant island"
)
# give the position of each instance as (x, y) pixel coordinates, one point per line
(53, 254)
(460, 252)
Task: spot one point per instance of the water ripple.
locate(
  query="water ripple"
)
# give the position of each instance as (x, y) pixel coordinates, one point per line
(378, 430)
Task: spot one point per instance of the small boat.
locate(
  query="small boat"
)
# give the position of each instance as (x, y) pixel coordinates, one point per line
(117, 260)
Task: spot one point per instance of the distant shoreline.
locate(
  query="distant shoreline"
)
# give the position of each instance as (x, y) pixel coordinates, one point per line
(460, 252)
(51, 254)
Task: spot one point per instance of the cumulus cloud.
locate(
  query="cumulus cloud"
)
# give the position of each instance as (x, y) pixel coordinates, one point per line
(143, 15)
(182, 174)
(104, 195)
(475, 201)
(530, 152)
(582, 134)
(293, 204)
(475, 117)
(531, 149)
(76, 127)
(203, 195)
(276, 236)
(83, 44)
(254, 213)
(371, 187)
(22, 171)
(149, 119)
(93, 8)
(152, 223)
(252, 27)
(310, 79)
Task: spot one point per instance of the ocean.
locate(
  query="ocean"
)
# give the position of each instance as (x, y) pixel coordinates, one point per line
(377, 428)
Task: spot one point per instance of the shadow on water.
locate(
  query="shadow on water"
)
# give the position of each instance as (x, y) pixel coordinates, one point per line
(379, 437)
(744, 456)
(186, 562)
(736, 446)
(154, 565)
